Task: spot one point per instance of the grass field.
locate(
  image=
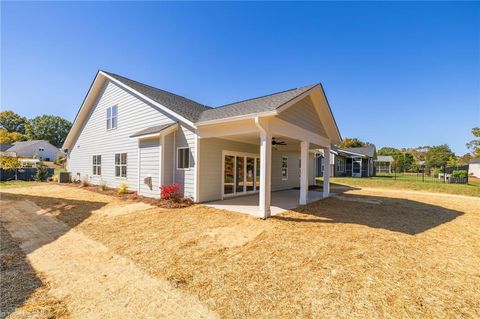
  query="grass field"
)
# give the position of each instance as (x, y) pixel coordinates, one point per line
(8, 184)
(408, 183)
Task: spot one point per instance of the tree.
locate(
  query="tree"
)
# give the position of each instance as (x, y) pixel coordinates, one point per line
(474, 145)
(404, 160)
(8, 163)
(42, 171)
(9, 137)
(48, 127)
(465, 159)
(12, 122)
(438, 156)
(353, 142)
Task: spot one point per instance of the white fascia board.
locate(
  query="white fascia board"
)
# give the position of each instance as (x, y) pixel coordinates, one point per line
(163, 108)
(236, 118)
(73, 130)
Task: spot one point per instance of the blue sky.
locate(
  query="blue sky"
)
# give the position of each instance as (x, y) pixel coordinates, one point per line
(396, 74)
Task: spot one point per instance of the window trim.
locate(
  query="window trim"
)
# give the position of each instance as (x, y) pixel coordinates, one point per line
(120, 165)
(178, 158)
(96, 165)
(341, 168)
(110, 108)
(284, 178)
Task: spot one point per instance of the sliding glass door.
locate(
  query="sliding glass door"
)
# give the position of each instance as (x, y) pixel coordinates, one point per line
(241, 173)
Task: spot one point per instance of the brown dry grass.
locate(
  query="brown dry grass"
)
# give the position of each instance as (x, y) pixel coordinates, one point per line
(367, 254)
(24, 293)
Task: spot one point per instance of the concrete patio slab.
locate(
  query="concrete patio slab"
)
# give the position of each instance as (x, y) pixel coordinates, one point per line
(281, 201)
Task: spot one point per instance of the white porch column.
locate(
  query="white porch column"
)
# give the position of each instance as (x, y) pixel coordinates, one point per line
(304, 173)
(161, 173)
(326, 173)
(265, 174)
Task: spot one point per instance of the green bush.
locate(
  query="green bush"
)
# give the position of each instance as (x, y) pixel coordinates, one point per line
(123, 189)
(42, 172)
(461, 173)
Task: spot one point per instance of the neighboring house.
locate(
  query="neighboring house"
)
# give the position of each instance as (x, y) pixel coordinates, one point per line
(474, 167)
(129, 132)
(40, 149)
(384, 164)
(349, 162)
(5, 147)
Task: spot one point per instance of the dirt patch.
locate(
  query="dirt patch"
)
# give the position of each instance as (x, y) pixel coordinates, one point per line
(84, 273)
(233, 236)
(24, 293)
(410, 256)
(414, 255)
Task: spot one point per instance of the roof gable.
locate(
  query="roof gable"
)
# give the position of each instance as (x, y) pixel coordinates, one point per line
(193, 113)
(255, 105)
(187, 108)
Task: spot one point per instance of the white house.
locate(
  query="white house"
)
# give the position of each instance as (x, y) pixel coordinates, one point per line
(40, 149)
(474, 167)
(129, 132)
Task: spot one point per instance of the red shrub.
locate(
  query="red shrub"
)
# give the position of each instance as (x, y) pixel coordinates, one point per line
(171, 191)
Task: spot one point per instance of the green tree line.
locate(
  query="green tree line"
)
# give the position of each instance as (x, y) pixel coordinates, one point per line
(14, 128)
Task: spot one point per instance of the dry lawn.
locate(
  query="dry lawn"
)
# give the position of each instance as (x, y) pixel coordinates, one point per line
(23, 292)
(365, 254)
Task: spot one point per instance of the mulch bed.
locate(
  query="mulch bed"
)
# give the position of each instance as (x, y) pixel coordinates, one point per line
(134, 197)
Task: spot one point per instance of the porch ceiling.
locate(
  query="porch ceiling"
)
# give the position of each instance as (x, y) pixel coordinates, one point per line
(254, 138)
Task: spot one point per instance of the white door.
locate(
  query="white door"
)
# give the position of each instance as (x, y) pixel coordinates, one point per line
(356, 167)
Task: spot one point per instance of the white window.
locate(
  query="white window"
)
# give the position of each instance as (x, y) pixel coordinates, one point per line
(183, 158)
(340, 164)
(284, 168)
(97, 164)
(112, 117)
(121, 165)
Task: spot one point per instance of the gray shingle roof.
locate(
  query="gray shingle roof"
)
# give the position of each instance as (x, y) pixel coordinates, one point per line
(475, 161)
(153, 129)
(197, 112)
(256, 105)
(4, 147)
(19, 145)
(187, 108)
(367, 150)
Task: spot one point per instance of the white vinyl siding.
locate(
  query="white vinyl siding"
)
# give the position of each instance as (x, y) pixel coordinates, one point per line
(150, 167)
(184, 137)
(304, 115)
(135, 115)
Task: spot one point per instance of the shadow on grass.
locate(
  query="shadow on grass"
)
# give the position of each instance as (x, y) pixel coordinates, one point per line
(394, 214)
(20, 222)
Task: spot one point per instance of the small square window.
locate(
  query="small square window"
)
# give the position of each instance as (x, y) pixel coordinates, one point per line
(183, 158)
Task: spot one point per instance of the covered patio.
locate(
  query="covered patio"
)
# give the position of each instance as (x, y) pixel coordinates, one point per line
(252, 163)
(281, 201)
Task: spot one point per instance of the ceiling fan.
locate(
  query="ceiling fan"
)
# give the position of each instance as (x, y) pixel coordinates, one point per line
(275, 142)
